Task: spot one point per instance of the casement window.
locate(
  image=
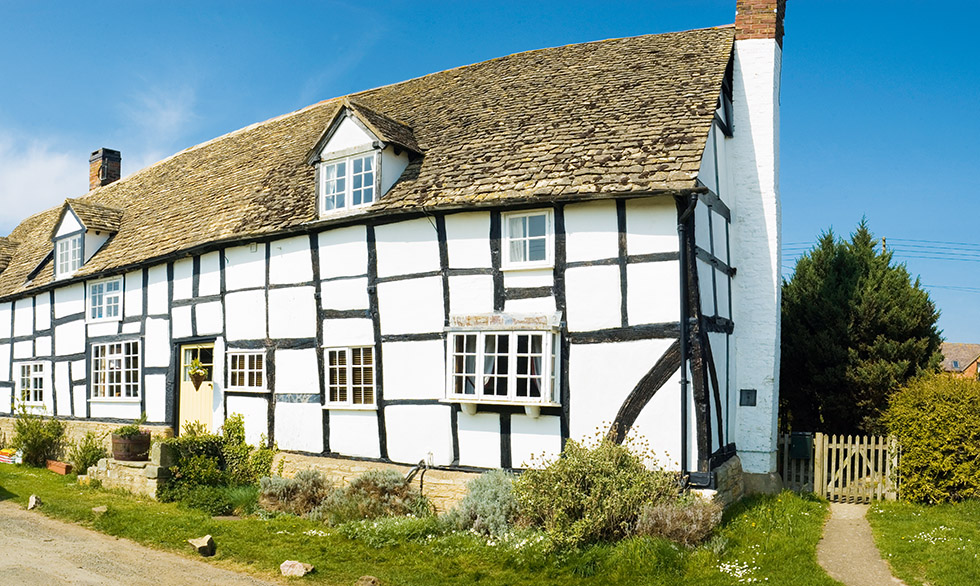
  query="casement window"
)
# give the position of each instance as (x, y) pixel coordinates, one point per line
(350, 376)
(105, 300)
(503, 367)
(348, 182)
(116, 370)
(30, 382)
(68, 255)
(246, 371)
(528, 240)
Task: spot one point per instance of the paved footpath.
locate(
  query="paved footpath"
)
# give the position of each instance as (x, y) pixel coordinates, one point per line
(38, 551)
(848, 552)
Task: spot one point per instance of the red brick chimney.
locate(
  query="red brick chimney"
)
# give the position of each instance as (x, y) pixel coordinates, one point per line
(760, 19)
(104, 167)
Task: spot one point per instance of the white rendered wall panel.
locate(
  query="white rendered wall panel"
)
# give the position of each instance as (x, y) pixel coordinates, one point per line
(419, 432)
(157, 343)
(414, 370)
(299, 426)
(80, 397)
(245, 266)
(347, 135)
(69, 223)
(209, 279)
(133, 294)
(24, 317)
(468, 240)
(5, 362)
(78, 370)
(348, 332)
(469, 294)
(183, 278)
(105, 328)
(290, 261)
(296, 372)
(392, 167)
(128, 410)
(42, 312)
(411, 306)
(343, 252)
(245, 315)
(157, 291)
(68, 300)
(181, 317)
(702, 233)
(155, 391)
(292, 313)
(23, 350)
(707, 287)
(255, 411)
(529, 278)
(6, 396)
(42, 346)
(534, 440)
(591, 231)
(479, 440)
(208, 318)
(354, 433)
(344, 294)
(538, 305)
(707, 171)
(407, 247)
(653, 292)
(93, 242)
(6, 309)
(584, 286)
(131, 327)
(69, 338)
(651, 225)
(718, 224)
(724, 291)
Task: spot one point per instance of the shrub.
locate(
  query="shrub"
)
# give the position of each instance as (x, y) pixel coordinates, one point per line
(244, 499)
(592, 492)
(133, 429)
(87, 452)
(38, 438)
(489, 506)
(213, 500)
(243, 463)
(297, 496)
(686, 521)
(376, 493)
(936, 420)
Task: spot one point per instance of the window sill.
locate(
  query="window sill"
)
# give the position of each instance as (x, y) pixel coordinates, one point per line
(114, 400)
(246, 390)
(348, 407)
(471, 406)
(528, 266)
(103, 320)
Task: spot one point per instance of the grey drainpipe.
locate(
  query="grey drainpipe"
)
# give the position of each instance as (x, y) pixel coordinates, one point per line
(685, 337)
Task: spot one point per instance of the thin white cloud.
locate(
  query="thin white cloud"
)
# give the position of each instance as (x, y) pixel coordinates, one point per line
(36, 174)
(156, 119)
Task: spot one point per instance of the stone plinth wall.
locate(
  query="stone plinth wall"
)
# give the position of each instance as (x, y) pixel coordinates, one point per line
(444, 488)
(729, 483)
(140, 478)
(76, 430)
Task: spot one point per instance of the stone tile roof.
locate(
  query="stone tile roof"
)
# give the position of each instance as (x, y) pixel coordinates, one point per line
(96, 217)
(7, 248)
(963, 354)
(601, 119)
(385, 128)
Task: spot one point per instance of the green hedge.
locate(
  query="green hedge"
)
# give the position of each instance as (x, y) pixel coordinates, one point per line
(937, 422)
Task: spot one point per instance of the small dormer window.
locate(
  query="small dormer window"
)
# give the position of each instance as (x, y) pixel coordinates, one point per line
(348, 182)
(69, 255)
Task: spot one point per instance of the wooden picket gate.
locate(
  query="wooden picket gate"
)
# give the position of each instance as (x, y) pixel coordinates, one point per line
(851, 469)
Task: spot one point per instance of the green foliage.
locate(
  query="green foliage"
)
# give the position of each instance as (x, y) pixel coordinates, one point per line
(38, 438)
(937, 423)
(686, 521)
(133, 429)
(592, 492)
(489, 507)
(855, 328)
(213, 500)
(298, 495)
(87, 452)
(244, 464)
(376, 493)
(390, 531)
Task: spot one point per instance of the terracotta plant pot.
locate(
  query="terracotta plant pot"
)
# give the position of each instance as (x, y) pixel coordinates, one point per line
(131, 449)
(197, 379)
(59, 467)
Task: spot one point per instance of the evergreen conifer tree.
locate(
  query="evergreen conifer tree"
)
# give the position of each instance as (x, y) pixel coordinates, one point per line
(855, 327)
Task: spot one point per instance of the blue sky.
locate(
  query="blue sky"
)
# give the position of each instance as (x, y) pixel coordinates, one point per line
(879, 99)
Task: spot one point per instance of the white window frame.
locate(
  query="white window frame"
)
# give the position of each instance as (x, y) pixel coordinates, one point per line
(246, 370)
(103, 364)
(507, 263)
(348, 182)
(550, 375)
(68, 255)
(347, 385)
(106, 300)
(36, 372)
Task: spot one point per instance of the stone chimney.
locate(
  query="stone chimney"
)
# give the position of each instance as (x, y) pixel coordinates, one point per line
(760, 19)
(104, 167)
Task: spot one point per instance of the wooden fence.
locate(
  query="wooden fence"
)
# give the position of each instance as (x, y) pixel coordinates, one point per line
(853, 469)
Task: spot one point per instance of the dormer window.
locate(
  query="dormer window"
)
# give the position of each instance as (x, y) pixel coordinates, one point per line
(348, 182)
(69, 255)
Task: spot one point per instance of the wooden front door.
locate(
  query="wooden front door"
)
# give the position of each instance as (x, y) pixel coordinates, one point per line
(195, 405)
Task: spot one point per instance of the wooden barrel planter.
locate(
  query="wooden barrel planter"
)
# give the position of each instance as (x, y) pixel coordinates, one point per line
(131, 449)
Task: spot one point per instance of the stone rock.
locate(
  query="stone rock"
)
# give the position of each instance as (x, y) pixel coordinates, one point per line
(367, 581)
(33, 502)
(100, 510)
(162, 455)
(294, 568)
(204, 545)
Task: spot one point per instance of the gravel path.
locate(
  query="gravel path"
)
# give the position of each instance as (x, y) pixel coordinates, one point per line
(38, 551)
(848, 552)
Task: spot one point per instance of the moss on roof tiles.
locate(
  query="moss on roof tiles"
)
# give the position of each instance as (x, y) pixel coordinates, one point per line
(604, 118)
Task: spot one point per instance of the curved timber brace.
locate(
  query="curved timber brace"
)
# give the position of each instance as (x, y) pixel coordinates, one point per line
(693, 348)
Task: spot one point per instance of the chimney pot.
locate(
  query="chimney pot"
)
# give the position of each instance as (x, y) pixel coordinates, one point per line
(104, 167)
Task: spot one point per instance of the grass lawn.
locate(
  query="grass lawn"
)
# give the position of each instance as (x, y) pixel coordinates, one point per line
(930, 544)
(764, 539)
